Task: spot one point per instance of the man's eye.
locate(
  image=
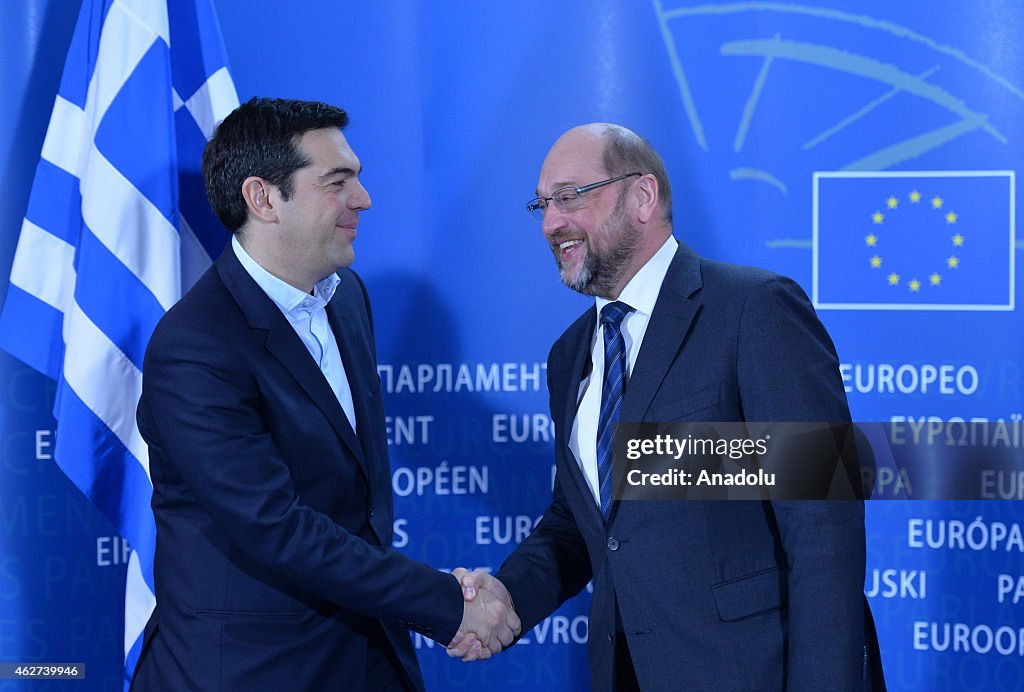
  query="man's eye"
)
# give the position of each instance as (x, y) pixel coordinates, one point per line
(567, 196)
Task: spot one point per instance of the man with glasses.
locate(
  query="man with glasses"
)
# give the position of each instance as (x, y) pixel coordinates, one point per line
(741, 595)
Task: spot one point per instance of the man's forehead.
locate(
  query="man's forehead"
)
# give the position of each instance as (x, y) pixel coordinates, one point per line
(327, 148)
(573, 160)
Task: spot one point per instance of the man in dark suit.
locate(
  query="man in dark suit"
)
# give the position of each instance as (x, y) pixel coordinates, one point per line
(262, 410)
(716, 595)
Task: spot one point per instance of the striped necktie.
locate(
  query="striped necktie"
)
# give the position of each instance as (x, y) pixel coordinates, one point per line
(612, 315)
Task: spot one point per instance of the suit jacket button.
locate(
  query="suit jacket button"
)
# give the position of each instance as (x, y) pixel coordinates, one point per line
(371, 510)
(613, 543)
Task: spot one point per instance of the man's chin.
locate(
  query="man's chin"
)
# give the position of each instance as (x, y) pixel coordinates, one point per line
(345, 259)
(578, 281)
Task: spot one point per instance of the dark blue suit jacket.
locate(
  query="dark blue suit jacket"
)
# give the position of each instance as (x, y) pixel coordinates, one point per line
(715, 595)
(274, 519)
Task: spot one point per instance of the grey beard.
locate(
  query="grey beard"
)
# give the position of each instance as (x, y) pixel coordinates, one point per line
(582, 282)
(599, 273)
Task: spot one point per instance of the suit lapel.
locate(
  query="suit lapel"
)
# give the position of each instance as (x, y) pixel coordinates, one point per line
(670, 323)
(358, 367)
(577, 354)
(284, 344)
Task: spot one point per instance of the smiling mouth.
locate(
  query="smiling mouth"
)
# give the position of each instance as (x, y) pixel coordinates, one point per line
(567, 248)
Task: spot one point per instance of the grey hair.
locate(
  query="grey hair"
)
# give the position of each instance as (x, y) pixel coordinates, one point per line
(625, 151)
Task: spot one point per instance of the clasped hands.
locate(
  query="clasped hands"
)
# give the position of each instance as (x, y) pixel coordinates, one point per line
(489, 621)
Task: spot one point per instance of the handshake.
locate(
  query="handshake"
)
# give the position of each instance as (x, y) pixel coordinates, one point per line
(489, 620)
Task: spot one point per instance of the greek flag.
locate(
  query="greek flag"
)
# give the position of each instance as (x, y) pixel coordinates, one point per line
(117, 227)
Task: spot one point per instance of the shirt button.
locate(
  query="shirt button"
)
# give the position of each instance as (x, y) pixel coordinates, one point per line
(613, 543)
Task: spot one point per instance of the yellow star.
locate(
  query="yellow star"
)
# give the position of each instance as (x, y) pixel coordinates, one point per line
(877, 217)
(958, 240)
(871, 240)
(915, 285)
(894, 279)
(935, 279)
(953, 262)
(892, 203)
(915, 196)
(951, 217)
(936, 202)
(876, 262)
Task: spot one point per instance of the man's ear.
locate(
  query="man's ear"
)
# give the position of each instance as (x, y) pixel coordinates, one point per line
(647, 197)
(256, 193)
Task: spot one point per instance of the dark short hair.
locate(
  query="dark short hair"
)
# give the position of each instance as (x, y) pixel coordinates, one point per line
(260, 138)
(625, 152)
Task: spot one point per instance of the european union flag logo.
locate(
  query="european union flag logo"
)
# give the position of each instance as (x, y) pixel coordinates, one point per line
(922, 240)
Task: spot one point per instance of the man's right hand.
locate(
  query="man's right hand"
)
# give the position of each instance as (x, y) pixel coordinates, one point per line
(489, 622)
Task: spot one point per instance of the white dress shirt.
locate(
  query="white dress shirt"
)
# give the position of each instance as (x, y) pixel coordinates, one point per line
(307, 315)
(641, 293)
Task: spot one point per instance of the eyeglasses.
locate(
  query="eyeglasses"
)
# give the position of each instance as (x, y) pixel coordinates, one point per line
(569, 199)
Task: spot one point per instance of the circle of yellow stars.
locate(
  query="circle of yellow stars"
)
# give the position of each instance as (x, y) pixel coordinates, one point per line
(878, 219)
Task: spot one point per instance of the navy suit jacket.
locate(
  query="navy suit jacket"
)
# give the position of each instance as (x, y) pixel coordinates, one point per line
(274, 520)
(712, 595)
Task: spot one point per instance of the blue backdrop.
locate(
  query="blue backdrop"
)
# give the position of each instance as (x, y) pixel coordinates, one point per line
(867, 149)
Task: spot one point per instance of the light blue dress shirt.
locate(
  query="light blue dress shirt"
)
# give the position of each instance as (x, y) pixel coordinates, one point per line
(307, 315)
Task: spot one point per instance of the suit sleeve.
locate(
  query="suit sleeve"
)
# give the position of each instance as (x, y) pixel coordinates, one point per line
(789, 372)
(552, 565)
(549, 567)
(200, 413)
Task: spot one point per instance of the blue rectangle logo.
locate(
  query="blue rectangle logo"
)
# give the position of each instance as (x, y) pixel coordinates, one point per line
(915, 240)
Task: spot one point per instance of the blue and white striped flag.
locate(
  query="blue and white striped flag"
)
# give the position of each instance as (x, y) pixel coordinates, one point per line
(117, 227)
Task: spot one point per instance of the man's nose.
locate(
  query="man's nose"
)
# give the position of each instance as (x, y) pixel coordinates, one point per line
(360, 199)
(554, 219)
